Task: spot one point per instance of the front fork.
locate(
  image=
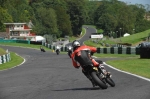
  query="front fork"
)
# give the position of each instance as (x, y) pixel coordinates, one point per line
(104, 72)
(99, 72)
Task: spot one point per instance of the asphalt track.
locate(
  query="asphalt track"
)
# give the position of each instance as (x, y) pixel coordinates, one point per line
(50, 76)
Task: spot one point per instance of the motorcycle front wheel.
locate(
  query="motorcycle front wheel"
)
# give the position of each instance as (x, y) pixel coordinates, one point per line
(110, 82)
(98, 81)
(69, 54)
(57, 52)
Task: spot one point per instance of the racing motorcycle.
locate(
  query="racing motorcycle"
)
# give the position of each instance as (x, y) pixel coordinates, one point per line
(57, 51)
(99, 76)
(69, 51)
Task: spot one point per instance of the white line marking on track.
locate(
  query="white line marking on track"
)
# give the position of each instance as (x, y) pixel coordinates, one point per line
(17, 65)
(127, 72)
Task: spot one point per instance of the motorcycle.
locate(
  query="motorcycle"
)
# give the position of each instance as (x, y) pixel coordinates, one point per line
(42, 49)
(57, 51)
(69, 53)
(99, 76)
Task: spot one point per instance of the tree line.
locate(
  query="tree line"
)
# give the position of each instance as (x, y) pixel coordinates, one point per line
(66, 17)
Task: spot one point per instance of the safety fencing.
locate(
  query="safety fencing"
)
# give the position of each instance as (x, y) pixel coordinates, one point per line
(15, 41)
(119, 50)
(5, 58)
(107, 50)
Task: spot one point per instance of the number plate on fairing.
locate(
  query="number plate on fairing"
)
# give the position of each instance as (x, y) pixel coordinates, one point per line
(95, 68)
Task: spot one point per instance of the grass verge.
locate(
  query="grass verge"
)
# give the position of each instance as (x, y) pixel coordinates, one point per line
(133, 65)
(116, 55)
(15, 61)
(2, 51)
(128, 63)
(26, 45)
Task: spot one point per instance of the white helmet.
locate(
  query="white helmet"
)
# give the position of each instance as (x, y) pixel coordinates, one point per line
(69, 47)
(75, 44)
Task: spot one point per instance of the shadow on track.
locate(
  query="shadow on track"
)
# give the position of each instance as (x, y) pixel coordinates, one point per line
(76, 89)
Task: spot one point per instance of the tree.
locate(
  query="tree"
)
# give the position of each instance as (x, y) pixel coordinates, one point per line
(126, 19)
(64, 24)
(106, 17)
(76, 12)
(47, 19)
(4, 18)
(90, 8)
(63, 19)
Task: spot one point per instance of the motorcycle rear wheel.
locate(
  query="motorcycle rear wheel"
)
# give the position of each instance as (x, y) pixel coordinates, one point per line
(96, 79)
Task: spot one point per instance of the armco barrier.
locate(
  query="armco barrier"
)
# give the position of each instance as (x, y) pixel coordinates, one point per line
(119, 50)
(5, 58)
(15, 41)
(107, 50)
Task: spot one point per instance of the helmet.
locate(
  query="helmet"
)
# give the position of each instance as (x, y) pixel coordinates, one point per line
(75, 44)
(57, 47)
(69, 47)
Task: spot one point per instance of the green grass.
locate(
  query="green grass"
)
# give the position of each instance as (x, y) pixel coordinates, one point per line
(90, 43)
(129, 63)
(15, 61)
(132, 39)
(136, 37)
(116, 55)
(25, 45)
(133, 65)
(2, 51)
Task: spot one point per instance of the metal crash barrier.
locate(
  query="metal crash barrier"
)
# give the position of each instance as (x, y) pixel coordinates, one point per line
(145, 50)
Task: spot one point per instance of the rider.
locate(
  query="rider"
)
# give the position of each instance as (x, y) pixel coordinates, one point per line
(69, 51)
(81, 56)
(57, 48)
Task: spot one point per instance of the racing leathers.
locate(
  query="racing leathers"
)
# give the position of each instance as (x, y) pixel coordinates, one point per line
(81, 56)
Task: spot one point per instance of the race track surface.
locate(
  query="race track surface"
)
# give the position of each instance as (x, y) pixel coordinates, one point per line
(45, 75)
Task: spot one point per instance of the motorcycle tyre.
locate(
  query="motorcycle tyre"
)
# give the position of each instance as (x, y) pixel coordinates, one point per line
(96, 79)
(110, 82)
(57, 53)
(69, 55)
